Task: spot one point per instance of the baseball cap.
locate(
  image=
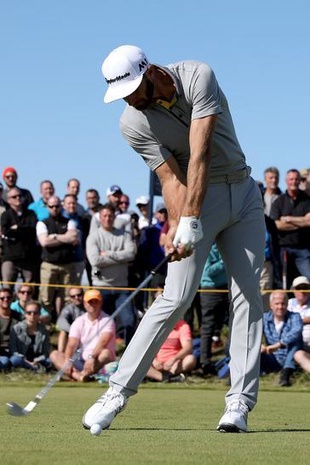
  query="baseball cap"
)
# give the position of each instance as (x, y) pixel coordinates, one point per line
(160, 206)
(142, 200)
(300, 280)
(113, 190)
(303, 172)
(92, 294)
(123, 70)
(8, 170)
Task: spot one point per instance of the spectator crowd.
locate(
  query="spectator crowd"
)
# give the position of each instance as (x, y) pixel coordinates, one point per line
(51, 246)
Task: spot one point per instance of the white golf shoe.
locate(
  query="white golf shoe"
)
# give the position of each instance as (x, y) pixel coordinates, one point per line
(105, 409)
(235, 418)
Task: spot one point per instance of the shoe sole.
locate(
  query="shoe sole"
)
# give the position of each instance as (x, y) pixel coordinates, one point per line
(229, 428)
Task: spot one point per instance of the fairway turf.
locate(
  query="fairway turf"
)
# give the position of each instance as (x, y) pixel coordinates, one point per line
(161, 425)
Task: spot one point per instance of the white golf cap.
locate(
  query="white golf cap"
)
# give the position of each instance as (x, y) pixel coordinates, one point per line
(142, 200)
(123, 70)
(300, 280)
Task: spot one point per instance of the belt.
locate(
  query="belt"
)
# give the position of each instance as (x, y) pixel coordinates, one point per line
(231, 178)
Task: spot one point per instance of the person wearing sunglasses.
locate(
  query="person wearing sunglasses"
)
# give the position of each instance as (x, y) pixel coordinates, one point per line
(8, 318)
(21, 253)
(57, 236)
(25, 293)
(10, 176)
(68, 315)
(29, 343)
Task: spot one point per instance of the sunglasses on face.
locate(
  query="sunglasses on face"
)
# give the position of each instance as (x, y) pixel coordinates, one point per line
(5, 298)
(54, 206)
(74, 296)
(25, 292)
(32, 312)
(17, 196)
(124, 203)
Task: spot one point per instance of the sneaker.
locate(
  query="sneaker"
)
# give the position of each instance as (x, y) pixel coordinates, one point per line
(105, 409)
(285, 376)
(177, 378)
(235, 418)
(170, 378)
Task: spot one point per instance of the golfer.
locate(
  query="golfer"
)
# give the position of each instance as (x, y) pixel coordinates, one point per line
(177, 118)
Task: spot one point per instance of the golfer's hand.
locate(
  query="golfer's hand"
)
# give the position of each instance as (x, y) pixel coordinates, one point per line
(188, 233)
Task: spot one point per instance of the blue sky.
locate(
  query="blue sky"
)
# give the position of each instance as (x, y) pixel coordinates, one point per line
(54, 124)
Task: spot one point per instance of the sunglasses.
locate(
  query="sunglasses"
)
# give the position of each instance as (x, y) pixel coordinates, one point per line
(25, 292)
(18, 196)
(74, 296)
(54, 206)
(5, 298)
(32, 312)
(124, 203)
(9, 176)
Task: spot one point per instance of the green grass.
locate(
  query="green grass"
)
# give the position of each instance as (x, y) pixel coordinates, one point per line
(162, 425)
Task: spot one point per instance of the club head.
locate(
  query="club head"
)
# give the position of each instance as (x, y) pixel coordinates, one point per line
(15, 410)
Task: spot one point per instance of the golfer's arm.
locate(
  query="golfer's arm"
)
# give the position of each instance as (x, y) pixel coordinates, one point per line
(200, 138)
(173, 183)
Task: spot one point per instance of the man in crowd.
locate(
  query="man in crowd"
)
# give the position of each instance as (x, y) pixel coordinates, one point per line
(57, 236)
(92, 198)
(73, 188)
(109, 251)
(271, 190)
(8, 318)
(291, 212)
(68, 314)
(122, 220)
(10, 178)
(82, 225)
(20, 250)
(283, 337)
(93, 335)
(40, 206)
(175, 357)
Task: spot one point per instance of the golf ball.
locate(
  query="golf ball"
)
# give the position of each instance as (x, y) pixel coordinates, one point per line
(95, 429)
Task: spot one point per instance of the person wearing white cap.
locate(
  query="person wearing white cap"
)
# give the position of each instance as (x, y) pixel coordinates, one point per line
(142, 203)
(177, 118)
(300, 303)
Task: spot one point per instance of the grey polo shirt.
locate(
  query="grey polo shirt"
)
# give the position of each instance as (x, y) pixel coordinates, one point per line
(157, 133)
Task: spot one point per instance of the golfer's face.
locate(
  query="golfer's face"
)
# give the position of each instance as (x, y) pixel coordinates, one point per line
(141, 98)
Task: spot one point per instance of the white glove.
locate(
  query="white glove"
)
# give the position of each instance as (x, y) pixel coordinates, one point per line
(189, 232)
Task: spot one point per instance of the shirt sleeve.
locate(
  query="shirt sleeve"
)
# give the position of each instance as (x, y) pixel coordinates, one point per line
(41, 228)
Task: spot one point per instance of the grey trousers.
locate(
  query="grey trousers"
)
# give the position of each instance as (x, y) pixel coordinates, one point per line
(232, 215)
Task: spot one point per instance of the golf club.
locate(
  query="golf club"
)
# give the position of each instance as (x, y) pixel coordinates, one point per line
(18, 411)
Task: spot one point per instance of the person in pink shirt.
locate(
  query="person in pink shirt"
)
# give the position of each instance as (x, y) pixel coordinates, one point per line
(93, 336)
(175, 357)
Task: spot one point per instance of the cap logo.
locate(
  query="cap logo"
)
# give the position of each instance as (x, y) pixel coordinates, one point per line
(117, 78)
(144, 63)
(142, 66)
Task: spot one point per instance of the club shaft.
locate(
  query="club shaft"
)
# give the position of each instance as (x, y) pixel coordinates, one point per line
(32, 404)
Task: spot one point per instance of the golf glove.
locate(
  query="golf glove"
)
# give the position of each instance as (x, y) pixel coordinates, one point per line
(189, 232)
